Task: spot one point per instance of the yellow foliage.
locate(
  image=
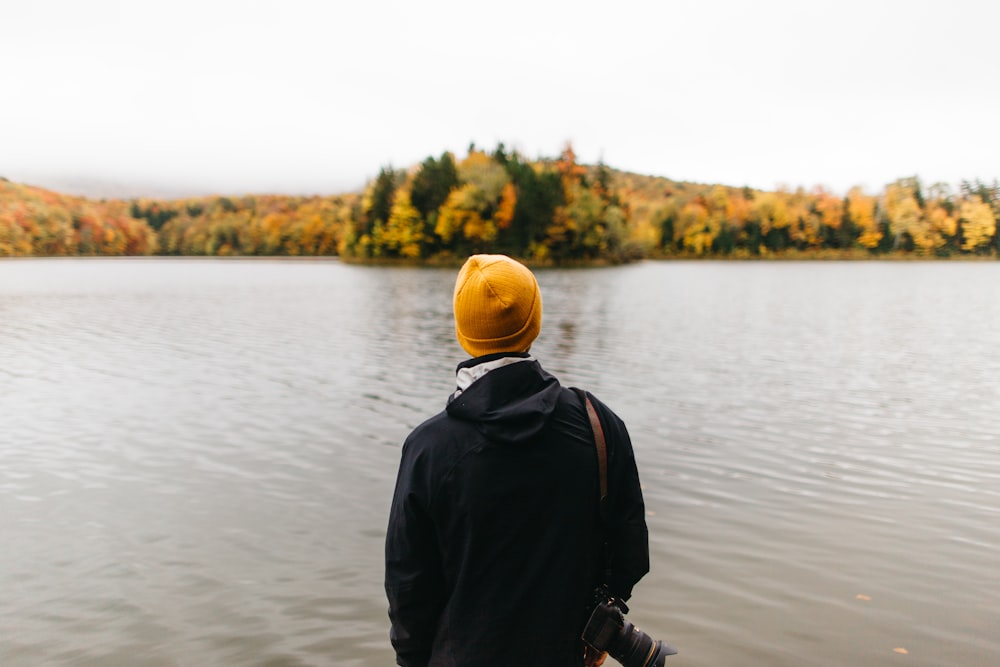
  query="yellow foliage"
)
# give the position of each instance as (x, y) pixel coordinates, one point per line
(830, 209)
(771, 211)
(645, 233)
(404, 230)
(941, 222)
(861, 209)
(932, 231)
(718, 198)
(903, 211)
(475, 229)
(978, 223)
(698, 241)
(462, 212)
(692, 216)
(803, 224)
(697, 228)
(449, 217)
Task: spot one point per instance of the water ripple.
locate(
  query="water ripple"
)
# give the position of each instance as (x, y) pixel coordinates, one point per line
(198, 456)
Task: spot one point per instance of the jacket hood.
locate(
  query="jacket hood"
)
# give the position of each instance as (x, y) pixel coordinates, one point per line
(510, 404)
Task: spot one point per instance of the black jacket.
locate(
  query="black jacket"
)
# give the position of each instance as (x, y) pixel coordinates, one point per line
(493, 544)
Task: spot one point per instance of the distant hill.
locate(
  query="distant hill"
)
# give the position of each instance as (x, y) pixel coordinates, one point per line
(95, 188)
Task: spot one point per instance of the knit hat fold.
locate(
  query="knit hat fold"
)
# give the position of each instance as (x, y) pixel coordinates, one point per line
(498, 306)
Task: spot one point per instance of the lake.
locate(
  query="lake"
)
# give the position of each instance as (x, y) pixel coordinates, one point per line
(197, 456)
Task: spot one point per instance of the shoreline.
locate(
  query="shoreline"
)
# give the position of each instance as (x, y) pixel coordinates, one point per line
(454, 262)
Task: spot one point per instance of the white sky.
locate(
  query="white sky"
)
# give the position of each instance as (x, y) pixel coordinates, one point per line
(227, 96)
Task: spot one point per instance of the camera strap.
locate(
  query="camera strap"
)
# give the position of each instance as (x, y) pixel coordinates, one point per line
(602, 449)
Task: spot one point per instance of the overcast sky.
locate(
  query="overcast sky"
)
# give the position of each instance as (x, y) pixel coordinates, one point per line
(226, 96)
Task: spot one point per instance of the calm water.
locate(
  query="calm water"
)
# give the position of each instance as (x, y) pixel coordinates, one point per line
(197, 457)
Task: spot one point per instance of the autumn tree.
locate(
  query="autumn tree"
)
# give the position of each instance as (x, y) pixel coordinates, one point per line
(737, 213)
(771, 216)
(694, 229)
(861, 211)
(539, 193)
(461, 222)
(403, 232)
(667, 218)
(829, 212)
(577, 216)
(979, 224)
(432, 183)
(378, 203)
(905, 217)
(504, 215)
(429, 190)
(486, 174)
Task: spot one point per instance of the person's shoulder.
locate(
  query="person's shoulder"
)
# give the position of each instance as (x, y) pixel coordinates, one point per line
(436, 436)
(603, 410)
(428, 428)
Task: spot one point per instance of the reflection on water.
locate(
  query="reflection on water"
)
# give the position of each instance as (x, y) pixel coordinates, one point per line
(197, 457)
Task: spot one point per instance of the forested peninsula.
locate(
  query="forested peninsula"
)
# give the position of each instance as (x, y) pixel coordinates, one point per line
(545, 211)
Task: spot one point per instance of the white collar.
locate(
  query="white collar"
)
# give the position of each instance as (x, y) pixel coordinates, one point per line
(468, 375)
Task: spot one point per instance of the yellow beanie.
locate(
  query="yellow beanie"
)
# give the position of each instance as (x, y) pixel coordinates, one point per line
(498, 307)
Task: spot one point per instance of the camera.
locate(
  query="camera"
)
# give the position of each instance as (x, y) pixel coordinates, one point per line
(609, 630)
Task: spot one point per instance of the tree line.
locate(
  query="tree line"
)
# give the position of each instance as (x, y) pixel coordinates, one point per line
(546, 211)
(38, 222)
(905, 219)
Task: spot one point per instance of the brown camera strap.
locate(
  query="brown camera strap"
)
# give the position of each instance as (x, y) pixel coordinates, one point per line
(602, 448)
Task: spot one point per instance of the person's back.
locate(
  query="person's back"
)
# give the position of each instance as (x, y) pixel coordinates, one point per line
(494, 542)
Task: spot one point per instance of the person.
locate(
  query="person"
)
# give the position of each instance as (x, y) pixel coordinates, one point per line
(495, 542)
